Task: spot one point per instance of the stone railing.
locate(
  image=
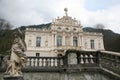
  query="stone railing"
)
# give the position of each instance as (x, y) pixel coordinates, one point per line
(110, 61)
(81, 60)
(44, 62)
(88, 58)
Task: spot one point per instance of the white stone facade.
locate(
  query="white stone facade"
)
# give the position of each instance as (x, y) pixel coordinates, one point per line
(63, 34)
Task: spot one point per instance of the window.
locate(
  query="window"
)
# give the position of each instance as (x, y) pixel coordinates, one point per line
(37, 54)
(38, 41)
(59, 41)
(92, 44)
(75, 41)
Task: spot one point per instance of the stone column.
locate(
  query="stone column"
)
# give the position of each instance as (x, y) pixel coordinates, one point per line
(82, 43)
(63, 43)
(71, 39)
(79, 41)
(55, 40)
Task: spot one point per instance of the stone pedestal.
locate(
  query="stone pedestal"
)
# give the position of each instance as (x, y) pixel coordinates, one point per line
(7, 77)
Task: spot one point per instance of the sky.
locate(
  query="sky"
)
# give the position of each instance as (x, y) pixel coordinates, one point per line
(89, 12)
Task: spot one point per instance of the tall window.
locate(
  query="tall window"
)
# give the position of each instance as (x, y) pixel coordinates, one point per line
(75, 41)
(92, 45)
(59, 40)
(38, 41)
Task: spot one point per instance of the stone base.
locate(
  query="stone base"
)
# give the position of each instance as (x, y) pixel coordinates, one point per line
(13, 78)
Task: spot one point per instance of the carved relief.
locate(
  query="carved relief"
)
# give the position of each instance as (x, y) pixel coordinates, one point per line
(72, 58)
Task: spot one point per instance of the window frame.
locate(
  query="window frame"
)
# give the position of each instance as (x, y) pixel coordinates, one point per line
(38, 41)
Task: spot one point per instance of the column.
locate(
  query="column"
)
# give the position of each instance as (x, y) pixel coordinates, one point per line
(79, 40)
(71, 39)
(55, 40)
(82, 43)
(52, 40)
(63, 39)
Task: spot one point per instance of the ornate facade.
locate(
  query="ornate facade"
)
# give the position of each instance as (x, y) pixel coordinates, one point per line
(63, 34)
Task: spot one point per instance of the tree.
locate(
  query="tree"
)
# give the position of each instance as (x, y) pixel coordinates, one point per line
(5, 25)
(99, 26)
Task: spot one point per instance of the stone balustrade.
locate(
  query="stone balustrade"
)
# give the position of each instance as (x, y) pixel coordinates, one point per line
(74, 60)
(43, 62)
(110, 61)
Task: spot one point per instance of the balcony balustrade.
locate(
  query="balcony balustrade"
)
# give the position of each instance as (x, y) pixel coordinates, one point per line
(74, 60)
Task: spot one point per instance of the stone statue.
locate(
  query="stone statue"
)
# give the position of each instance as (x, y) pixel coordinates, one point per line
(17, 59)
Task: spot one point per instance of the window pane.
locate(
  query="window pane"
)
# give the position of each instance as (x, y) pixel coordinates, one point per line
(75, 42)
(38, 41)
(92, 44)
(59, 40)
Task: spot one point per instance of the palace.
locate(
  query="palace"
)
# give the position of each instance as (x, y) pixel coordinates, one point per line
(62, 34)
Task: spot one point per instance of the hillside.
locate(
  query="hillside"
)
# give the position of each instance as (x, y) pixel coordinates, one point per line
(111, 39)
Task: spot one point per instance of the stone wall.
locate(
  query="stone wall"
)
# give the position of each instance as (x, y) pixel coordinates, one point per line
(63, 76)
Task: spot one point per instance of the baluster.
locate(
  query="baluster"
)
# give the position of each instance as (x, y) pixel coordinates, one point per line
(91, 58)
(40, 63)
(86, 59)
(56, 62)
(32, 64)
(51, 62)
(61, 61)
(81, 61)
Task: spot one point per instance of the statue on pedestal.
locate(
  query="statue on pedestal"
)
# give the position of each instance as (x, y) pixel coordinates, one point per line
(17, 58)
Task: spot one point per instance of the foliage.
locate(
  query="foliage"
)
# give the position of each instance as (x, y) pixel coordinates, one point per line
(99, 26)
(5, 25)
(41, 26)
(6, 40)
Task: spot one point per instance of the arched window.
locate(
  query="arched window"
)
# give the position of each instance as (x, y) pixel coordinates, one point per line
(75, 41)
(92, 45)
(59, 41)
